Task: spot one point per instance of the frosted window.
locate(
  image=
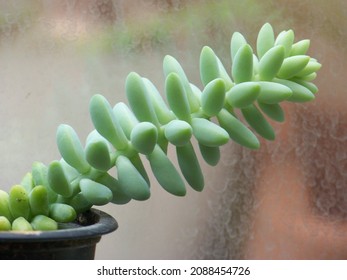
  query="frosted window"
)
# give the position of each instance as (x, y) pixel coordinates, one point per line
(287, 200)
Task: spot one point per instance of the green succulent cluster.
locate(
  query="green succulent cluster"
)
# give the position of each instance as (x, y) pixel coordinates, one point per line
(125, 135)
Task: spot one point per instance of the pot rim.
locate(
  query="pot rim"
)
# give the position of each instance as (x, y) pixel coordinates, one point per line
(101, 223)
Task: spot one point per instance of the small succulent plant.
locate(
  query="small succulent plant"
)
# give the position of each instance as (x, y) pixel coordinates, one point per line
(234, 106)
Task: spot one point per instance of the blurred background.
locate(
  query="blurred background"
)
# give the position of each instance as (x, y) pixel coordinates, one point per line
(287, 200)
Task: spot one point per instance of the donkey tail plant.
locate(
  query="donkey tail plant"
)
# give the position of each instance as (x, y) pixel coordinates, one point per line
(235, 106)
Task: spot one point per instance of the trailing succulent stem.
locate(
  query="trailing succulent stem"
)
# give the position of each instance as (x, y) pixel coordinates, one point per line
(125, 135)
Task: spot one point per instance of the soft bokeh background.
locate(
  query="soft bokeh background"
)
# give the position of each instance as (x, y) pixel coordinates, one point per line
(287, 200)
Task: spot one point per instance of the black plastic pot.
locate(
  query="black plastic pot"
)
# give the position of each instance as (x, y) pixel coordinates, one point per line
(73, 241)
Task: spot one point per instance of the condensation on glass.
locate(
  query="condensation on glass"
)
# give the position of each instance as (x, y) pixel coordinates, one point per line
(286, 200)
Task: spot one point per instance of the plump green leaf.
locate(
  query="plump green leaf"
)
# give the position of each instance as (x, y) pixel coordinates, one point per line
(144, 137)
(98, 151)
(242, 67)
(171, 65)
(300, 93)
(21, 224)
(38, 199)
(242, 95)
(293, 65)
(119, 197)
(265, 39)
(5, 205)
(163, 113)
(70, 148)
(139, 99)
(19, 202)
(166, 173)
(211, 155)
(177, 97)
(131, 180)
(57, 180)
(95, 193)
(43, 223)
(209, 66)
(272, 93)
(237, 130)
(105, 122)
(273, 111)
(237, 41)
(190, 166)
(5, 224)
(271, 62)
(258, 122)
(286, 39)
(311, 67)
(178, 132)
(62, 213)
(125, 118)
(213, 97)
(300, 47)
(209, 133)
